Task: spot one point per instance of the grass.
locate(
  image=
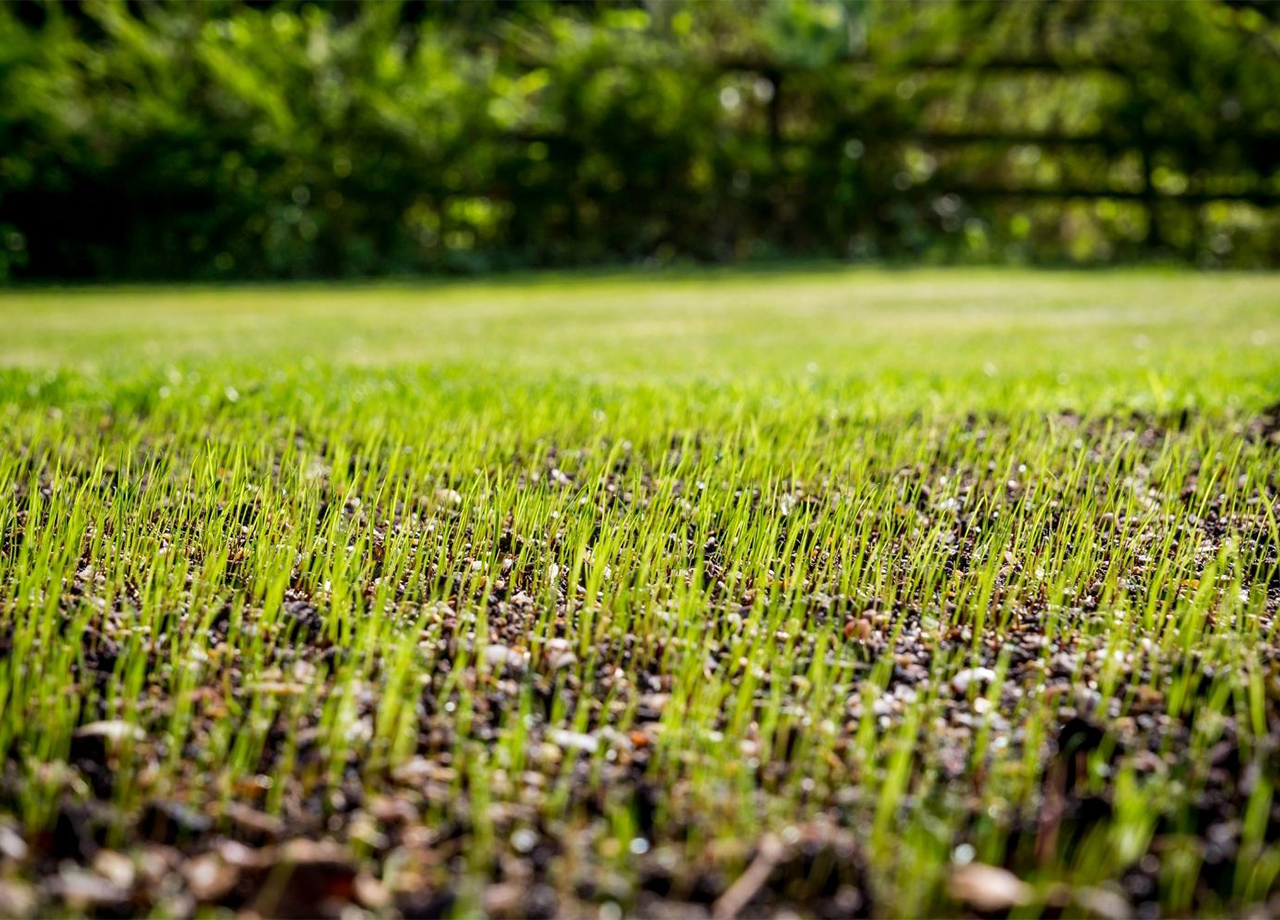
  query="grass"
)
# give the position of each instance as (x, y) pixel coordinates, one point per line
(772, 590)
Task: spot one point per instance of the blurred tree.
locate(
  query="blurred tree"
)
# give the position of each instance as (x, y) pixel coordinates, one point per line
(254, 140)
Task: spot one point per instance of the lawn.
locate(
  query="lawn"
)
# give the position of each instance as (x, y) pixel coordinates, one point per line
(846, 592)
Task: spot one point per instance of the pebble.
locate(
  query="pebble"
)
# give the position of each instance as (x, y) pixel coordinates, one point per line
(81, 888)
(370, 892)
(563, 660)
(111, 730)
(858, 630)
(499, 656)
(12, 846)
(115, 868)
(575, 740)
(209, 877)
(16, 898)
(987, 888)
(961, 681)
(524, 840)
(503, 900)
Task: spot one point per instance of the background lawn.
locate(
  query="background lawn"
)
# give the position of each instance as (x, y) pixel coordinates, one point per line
(728, 591)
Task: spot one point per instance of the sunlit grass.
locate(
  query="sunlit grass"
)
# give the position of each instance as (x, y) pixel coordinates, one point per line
(686, 561)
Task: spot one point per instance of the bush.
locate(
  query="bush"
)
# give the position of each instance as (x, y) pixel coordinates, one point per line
(169, 140)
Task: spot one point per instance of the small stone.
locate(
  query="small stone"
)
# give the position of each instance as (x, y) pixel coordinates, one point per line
(652, 704)
(573, 740)
(1149, 698)
(987, 888)
(419, 771)
(303, 852)
(370, 892)
(858, 630)
(209, 877)
(503, 901)
(500, 656)
(111, 730)
(81, 889)
(391, 809)
(564, 660)
(1102, 903)
(16, 898)
(248, 859)
(157, 862)
(115, 868)
(524, 840)
(12, 846)
(962, 680)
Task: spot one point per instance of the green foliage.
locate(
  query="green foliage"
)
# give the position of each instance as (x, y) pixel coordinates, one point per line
(226, 140)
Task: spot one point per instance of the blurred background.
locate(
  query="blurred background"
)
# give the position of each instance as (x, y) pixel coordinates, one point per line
(250, 140)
